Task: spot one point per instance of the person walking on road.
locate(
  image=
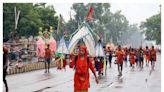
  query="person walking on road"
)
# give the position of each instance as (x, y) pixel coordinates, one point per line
(152, 57)
(126, 56)
(132, 57)
(141, 57)
(109, 55)
(5, 64)
(48, 56)
(101, 65)
(82, 65)
(119, 60)
(147, 55)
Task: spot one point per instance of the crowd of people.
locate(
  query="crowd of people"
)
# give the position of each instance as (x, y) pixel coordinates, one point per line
(81, 62)
(135, 56)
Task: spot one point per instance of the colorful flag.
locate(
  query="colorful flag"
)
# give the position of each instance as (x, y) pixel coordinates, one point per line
(89, 15)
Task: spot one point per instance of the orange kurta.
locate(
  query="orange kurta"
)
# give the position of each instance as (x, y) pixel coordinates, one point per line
(120, 56)
(153, 54)
(132, 57)
(147, 54)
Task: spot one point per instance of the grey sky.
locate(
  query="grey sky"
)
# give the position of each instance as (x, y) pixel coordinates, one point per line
(134, 12)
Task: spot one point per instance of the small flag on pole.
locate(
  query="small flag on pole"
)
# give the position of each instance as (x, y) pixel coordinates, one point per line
(89, 15)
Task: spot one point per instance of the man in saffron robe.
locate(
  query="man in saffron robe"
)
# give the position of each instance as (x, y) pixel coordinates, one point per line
(132, 57)
(147, 55)
(82, 66)
(120, 58)
(152, 57)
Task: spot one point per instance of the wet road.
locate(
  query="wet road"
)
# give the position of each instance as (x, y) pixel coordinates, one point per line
(62, 81)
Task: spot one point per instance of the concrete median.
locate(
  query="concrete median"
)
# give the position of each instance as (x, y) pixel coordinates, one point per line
(28, 68)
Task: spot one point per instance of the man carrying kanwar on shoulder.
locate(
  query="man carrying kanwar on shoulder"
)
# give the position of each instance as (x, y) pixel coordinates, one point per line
(119, 60)
(82, 64)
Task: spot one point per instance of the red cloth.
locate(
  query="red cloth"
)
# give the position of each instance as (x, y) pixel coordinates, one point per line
(147, 54)
(153, 53)
(101, 66)
(64, 63)
(72, 58)
(89, 15)
(81, 77)
(47, 53)
(132, 57)
(120, 56)
(5, 50)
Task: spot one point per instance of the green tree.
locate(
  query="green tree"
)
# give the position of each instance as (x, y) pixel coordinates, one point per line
(32, 17)
(152, 28)
(105, 22)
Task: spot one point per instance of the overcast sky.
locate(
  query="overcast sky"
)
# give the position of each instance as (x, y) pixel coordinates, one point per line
(134, 12)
